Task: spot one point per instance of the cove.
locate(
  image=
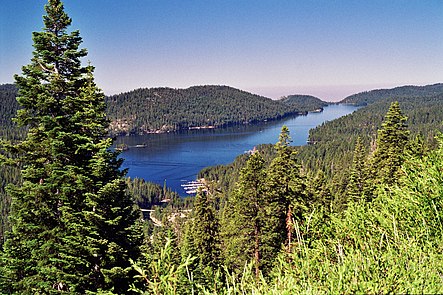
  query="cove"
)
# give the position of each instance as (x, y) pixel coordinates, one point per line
(176, 158)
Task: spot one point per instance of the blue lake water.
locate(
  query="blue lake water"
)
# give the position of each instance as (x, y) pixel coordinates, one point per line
(177, 157)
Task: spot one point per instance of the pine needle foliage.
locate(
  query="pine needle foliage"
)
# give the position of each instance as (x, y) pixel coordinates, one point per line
(284, 199)
(242, 219)
(358, 175)
(392, 138)
(73, 225)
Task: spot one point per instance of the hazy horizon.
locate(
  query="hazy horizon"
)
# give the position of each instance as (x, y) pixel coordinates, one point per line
(271, 48)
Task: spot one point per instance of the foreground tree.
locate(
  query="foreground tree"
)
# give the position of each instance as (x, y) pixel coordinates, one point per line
(73, 225)
(392, 139)
(242, 219)
(358, 175)
(284, 199)
(202, 239)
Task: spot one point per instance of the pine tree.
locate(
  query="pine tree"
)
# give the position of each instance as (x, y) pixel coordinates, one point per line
(392, 138)
(358, 176)
(284, 198)
(242, 219)
(73, 225)
(206, 230)
(417, 147)
(320, 194)
(202, 238)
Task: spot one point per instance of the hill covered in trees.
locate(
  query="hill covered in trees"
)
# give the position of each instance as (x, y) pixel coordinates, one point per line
(368, 97)
(8, 109)
(8, 131)
(332, 142)
(167, 109)
(304, 103)
(331, 147)
(381, 234)
(283, 226)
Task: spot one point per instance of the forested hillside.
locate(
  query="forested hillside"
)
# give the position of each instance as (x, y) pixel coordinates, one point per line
(359, 210)
(372, 96)
(8, 131)
(332, 144)
(8, 109)
(304, 103)
(167, 109)
(379, 233)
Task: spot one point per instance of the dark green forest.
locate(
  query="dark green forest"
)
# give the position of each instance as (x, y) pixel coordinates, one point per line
(166, 109)
(304, 103)
(358, 210)
(332, 143)
(368, 97)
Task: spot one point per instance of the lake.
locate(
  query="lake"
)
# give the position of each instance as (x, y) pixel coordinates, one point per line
(177, 157)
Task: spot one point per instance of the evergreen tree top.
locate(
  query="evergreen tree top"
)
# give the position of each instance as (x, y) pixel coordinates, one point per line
(56, 20)
(394, 128)
(284, 139)
(73, 224)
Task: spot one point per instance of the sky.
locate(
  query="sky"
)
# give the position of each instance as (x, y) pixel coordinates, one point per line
(327, 48)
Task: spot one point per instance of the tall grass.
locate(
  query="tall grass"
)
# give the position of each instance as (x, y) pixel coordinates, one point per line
(390, 245)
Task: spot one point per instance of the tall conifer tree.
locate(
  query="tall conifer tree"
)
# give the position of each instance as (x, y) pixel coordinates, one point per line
(206, 230)
(284, 198)
(319, 192)
(358, 176)
(242, 220)
(202, 238)
(392, 138)
(73, 225)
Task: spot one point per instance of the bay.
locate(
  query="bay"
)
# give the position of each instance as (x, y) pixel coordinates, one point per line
(176, 158)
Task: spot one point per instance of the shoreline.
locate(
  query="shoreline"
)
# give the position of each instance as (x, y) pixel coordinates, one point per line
(171, 129)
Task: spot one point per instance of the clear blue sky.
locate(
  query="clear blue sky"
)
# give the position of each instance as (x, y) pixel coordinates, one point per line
(271, 47)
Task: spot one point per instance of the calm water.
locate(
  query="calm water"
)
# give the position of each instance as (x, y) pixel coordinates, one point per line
(178, 157)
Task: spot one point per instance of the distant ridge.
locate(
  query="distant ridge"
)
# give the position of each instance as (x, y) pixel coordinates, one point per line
(8, 104)
(369, 97)
(157, 110)
(304, 103)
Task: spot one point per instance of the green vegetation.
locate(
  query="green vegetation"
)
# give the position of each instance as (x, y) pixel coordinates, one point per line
(8, 109)
(389, 243)
(369, 97)
(304, 103)
(8, 131)
(166, 109)
(73, 227)
(332, 143)
(359, 210)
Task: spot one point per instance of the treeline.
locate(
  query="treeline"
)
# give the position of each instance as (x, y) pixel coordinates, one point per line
(8, 131)
(368, 97)
(330, 148)
(304, 103)
(277, 227)
(167, 109)
(283, 228)
(8, 110)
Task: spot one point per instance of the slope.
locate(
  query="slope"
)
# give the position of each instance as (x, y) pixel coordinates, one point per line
(304, 103)
(368, 97)
(167, 109)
